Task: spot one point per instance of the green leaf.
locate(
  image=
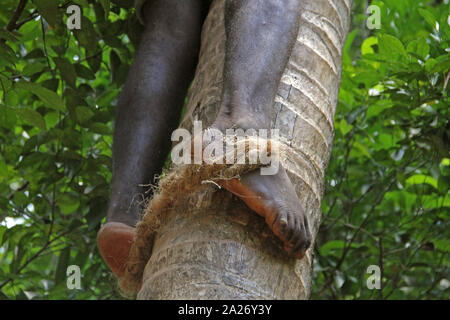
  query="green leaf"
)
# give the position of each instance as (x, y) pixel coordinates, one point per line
(106, 5)
(3, 170)
(7, 54)
(86, 36)
(390, 45)
(31, 117)
(83, 3)
(68, 202)
(94, 58)
(67, 71)
(83, 114)
(97, 211)
(433, 202)
(378, 108)
(84, 72)
(33, 68)
(366, 47)
(100, 128)
(443, 184)
(344, 127)
(7, 117)
(49, 10)
(126, 4)
(20, 198)
(51, 119)
(419, 47)
(430, 64)
(442, 65)
(422, 179)
(335, 245)
(63, 263)
(12, 98)
(50, 84)
(428, 16)
(50, 98)
(442, 244)
(115, 64)
(35, 53)
(362, 148)
(7, 35)
(106, 98)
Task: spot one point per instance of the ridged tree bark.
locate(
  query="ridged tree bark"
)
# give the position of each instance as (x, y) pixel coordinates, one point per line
(217, 248)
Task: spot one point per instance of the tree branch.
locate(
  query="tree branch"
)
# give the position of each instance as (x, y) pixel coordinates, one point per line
(46, 244)
(32, 16)
(17, 13)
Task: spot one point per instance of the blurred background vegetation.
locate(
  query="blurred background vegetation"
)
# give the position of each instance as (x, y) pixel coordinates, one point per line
(387, 200)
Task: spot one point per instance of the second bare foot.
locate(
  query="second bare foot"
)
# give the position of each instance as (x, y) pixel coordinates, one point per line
(114, 241)
(274, 198)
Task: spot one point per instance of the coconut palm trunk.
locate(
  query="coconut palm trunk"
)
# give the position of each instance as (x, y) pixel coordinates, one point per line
(217, 248)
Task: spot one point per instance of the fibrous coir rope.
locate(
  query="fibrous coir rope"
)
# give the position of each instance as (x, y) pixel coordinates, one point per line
(181, 182)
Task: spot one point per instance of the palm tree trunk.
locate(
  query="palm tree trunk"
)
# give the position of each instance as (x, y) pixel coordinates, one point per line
(218, 248)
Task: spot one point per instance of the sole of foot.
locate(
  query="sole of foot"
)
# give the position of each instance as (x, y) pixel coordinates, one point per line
(114, 241)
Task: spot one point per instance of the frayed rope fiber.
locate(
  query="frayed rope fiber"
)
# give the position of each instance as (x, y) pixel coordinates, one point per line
(181, 182)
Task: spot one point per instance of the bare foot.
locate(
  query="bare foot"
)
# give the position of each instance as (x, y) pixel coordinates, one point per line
(271, 196)
(114, 241)
(274, 198)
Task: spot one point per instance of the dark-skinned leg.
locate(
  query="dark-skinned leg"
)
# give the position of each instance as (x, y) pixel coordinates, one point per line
(260, 36)
(148, 111)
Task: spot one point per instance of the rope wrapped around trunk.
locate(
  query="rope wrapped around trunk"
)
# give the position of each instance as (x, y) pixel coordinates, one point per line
(181, 182)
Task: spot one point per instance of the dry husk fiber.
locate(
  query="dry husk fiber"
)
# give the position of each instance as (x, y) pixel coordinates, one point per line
(181, 182)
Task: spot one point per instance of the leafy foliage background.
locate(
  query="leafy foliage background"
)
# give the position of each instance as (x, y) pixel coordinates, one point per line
(387, 202)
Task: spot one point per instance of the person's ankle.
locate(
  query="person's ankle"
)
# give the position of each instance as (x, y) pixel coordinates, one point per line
(125, 217)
